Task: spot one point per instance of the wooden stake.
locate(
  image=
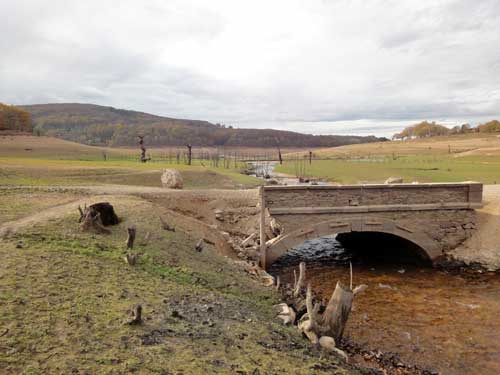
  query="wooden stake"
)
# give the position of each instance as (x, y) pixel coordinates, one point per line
(301, 281)
(131, 237)
(263, 248)
(135, 315)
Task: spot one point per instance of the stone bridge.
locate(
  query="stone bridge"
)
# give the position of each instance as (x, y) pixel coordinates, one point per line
(436, 217)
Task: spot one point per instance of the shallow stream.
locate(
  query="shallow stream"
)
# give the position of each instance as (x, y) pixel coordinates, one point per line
(444, 322)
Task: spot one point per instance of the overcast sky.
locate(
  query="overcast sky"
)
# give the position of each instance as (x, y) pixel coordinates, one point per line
(329, 67)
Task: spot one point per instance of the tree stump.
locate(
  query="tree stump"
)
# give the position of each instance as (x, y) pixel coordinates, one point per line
(135, 315)
(105, 210)
(131, 237)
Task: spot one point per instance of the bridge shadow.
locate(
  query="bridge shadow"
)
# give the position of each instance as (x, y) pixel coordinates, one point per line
(377, 247)
(361, 248)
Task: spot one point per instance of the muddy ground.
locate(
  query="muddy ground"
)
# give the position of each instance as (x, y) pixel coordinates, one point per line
(65, 295)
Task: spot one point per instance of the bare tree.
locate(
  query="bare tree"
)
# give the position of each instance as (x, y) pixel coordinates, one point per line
(143, 149)
(189, 147)
(279, 150)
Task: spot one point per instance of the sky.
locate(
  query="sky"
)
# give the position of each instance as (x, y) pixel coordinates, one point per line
(315, 66)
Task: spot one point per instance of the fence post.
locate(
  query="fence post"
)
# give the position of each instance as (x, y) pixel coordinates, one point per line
(263, 248)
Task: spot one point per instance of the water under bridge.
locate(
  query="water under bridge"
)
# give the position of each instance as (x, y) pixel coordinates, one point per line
(433, 217)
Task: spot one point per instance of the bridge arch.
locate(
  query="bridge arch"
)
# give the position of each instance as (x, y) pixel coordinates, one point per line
(282, 244)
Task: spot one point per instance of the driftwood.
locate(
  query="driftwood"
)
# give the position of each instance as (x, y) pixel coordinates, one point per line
(97, 216)
(90, 219)
(199, 246)
(249, 240)
(131, 259)
(322, 325)
(190, 153)
(135, 315)
(143, 149)
(131, 237)
(299, 284)
(145, 239)
(287, 314)
(165, 226)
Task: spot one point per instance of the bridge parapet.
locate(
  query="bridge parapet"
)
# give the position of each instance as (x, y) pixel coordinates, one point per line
(354, 198)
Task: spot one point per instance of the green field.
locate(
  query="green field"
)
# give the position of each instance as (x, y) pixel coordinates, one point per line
(29, 161)
(36, 171)
(426, 168)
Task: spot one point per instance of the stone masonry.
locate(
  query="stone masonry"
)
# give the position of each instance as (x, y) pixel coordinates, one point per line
(436, 217)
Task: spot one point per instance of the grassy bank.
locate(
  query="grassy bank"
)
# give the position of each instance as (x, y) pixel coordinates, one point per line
(65, 296)
(439, 159)
(410, 167)
(36, 171)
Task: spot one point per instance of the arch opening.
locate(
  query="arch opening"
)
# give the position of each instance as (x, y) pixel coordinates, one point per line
(361, 248)
(377, 238)
(381, 247)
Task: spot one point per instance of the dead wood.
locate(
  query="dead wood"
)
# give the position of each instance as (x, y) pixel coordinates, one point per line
(299, 284)
(165, 226)
(199, 246)
(92, 221)
(135, 315)
(131, 231)
(96, 216)
(143, 149)
(146, 239)
(322, 325)
(249, 240)
(81, 212)
(190, 153)
(131, 259)
(286, 313)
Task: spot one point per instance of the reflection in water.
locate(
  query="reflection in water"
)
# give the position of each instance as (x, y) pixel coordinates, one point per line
(450, 323)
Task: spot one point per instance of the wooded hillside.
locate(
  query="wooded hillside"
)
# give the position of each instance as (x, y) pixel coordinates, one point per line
(98, 125)
(13, 118)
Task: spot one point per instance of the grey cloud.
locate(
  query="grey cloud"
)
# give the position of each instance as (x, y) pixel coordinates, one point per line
(322, 63)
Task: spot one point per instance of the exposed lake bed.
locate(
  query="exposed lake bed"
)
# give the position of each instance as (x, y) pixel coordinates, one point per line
(447, 323)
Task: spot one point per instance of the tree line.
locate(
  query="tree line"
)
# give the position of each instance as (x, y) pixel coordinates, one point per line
(108, 126)
(426, 129)
(15, 119)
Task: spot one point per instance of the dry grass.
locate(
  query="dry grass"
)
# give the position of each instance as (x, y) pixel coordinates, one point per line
(475, 144)
(28, 160)
(65, 294)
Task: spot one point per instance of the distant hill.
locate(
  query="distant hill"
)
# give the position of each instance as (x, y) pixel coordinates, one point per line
(108, 126)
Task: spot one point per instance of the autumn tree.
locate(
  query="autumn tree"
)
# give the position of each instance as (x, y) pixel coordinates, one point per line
(13, 118)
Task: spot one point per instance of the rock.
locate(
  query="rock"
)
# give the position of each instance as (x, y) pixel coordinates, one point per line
(328, 343)
(394, 180)
(219, 214)
(172, 179)
(286, 313)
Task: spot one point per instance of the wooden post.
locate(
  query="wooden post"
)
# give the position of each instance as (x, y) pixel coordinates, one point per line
(189, 147)
(262, 228)
(131, 237)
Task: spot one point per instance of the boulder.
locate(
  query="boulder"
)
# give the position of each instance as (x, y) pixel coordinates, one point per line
(219, 214)
(394, 180)
(172, 179)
